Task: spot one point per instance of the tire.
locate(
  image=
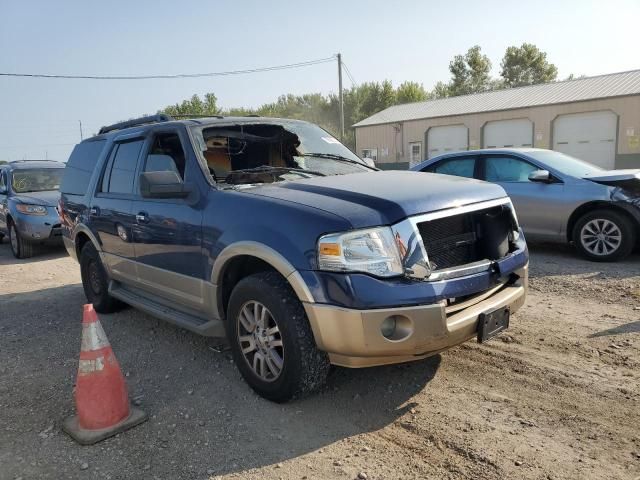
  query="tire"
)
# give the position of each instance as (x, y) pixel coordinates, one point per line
(20, 247)
(604, 236)
(303, 368)
(95, 281)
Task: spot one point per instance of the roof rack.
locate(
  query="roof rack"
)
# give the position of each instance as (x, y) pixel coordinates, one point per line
(187, 116)
(33, 160)
(135, 122)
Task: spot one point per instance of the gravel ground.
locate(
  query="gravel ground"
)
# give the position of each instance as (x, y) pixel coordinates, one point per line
(557, 396)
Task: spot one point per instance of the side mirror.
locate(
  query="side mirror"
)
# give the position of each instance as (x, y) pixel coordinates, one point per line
(165, 184)
(369, 162)
(542, 176)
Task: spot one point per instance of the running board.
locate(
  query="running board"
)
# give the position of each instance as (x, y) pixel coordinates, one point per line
(210, 328)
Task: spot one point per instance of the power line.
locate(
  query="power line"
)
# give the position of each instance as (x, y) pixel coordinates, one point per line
(179, 75)
(353, 82)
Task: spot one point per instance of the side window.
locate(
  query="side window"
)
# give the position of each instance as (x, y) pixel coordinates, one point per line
(3, 180)
(120, 172)
(507, 169)
(80, 167)
(166, 154)
(460, 167)
(371, 153)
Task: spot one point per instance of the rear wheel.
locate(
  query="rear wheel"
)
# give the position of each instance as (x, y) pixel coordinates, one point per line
(604, 236)
(271, 339)
(20, 247)
(95, 281)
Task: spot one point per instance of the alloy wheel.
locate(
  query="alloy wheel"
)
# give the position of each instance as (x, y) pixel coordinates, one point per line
(260, 341)
(601, 236)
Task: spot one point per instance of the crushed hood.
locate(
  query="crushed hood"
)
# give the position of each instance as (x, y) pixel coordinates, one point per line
(47, 198)
(626, 179)
(381, 198)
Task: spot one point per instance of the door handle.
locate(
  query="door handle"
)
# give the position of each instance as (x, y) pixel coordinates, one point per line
(142, 217)
(94, 211)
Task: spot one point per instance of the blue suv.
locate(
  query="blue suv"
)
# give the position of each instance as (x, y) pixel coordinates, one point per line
(272, 232)
(28, 204)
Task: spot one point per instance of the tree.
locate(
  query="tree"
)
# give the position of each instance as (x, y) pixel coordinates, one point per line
(441, 90)
(469, 73)
(409, 92)
(194, 106)
(526, 65)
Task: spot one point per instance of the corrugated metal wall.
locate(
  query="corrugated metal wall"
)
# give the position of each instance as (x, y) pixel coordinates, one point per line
(394, 139)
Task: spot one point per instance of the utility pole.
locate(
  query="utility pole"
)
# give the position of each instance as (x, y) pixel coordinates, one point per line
(80, 122)
(340, 97)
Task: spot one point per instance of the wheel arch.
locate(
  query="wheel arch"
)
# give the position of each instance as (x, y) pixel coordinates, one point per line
(241, 259)
(597, 205)
(81, 236)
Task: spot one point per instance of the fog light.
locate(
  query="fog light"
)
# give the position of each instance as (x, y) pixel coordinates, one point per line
(388, 327)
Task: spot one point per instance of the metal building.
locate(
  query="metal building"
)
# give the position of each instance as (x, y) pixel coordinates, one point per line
(593, 118)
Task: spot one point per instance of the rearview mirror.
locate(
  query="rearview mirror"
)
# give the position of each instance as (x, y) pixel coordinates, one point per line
(540, 176)
(164, 184)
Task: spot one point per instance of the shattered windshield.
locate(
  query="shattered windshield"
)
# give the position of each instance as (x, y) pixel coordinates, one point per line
(246, 153)
(36, 180)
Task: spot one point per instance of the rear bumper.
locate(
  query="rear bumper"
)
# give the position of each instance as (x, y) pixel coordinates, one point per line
(353, 337)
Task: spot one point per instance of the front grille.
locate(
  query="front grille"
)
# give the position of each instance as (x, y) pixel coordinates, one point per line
(466, 238)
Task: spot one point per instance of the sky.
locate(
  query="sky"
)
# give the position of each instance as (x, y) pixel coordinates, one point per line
(399, 40)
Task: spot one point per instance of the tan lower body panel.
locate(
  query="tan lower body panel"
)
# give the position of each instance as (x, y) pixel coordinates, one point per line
(353, 338)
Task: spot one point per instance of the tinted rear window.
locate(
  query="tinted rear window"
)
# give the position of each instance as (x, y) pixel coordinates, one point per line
(122, 166)
(80, 167)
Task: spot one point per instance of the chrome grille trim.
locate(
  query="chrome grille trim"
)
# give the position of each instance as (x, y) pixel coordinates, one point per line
(414, 255)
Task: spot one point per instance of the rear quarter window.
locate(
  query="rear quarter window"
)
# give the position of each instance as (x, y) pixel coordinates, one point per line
(80, 167)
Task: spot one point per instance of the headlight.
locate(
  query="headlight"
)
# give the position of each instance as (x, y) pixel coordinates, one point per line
(371, 251)
(31, 209)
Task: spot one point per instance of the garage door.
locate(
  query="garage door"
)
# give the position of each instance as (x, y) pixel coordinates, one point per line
(508, 133)
(589, 136)
(451, 138)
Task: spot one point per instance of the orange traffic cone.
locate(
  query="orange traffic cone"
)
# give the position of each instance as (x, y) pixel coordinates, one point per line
(102, 401)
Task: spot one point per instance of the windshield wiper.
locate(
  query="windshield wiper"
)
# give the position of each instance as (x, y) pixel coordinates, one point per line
(235, 177)
(340, 158)
(269, 168)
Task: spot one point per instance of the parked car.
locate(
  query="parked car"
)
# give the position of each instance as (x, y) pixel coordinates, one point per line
(28, 199)
(558, 198)
(274, 232)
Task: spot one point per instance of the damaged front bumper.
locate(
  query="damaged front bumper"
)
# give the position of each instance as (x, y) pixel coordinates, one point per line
(354, 337)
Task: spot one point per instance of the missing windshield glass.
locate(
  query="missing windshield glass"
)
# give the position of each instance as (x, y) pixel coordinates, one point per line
(270, 152)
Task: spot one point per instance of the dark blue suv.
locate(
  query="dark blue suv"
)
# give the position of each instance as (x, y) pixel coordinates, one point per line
(273, 232)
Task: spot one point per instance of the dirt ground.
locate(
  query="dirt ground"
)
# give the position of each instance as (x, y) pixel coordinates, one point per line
(556, 397)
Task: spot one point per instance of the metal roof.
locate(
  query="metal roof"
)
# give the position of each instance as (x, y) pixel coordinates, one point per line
(588, 88)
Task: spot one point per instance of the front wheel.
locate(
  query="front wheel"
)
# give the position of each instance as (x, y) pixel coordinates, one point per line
(271, 339)
(20, 247)
(604, 236)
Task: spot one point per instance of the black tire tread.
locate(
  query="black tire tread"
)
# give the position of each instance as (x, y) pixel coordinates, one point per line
(312, 366)
(25, 248)
(105, 303)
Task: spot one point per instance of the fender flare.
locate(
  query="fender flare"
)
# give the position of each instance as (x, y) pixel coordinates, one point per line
(268, 255)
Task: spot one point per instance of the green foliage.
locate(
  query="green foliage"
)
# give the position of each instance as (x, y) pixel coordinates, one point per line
(526, 65)
(194, 106)
(410, 92)
(469, 72)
